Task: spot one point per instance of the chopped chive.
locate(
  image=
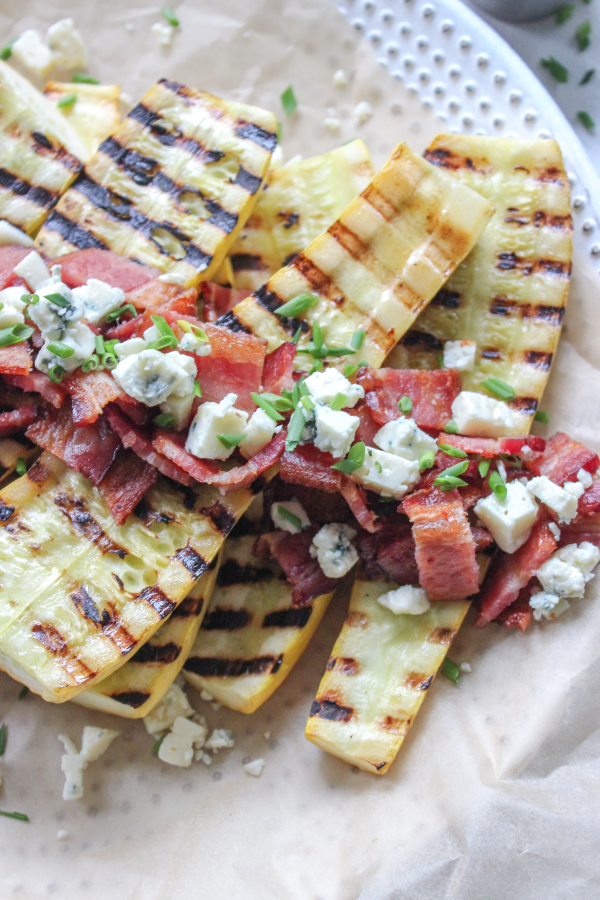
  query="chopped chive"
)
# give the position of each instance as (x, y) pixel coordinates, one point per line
(316, 367)
(33, 299)
(440, 358)
(6, 51)
(60, 349)
(541, 417)
(170, 16)
(556, 69)
(297, 305)
(307, 403)
(339, 401)
(457, 469)
(317, 332)
(230, 440)
(297, 335)
(15, 334)
(564, 13)
(15, 815)
(336, 351)
(406, 405)
(2, 739)
(288, 101)
(58, 300)
(164, 329)
(302, 388)
(289, 517)
(166, 342)
(349, 370)
(130, 308)
(189, 329)
(287, 395)
(295, 429)
(109, 361)
(81, 78)
(449, 482)
(582, 35)
(91, 363)
(281, 404)
(165, 420)
(21, 466)
(67, 102)
(99, 342)
(456, 452)
(451, 427)
(266, 407)
(586, 120)
(197, 388)
(497, 485)
(484, 467)
(357, 339)
(156, 746)
(427, 460)
(378, 466)
(450, 670)
(23, 693)
(499, 388)
(55, 374)
(588, 76)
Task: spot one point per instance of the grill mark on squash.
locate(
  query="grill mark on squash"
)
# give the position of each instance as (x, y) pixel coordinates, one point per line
(441, 636)
(247, 262)
(135, 699)
(211, 667)
(502, 306)
(163, 654)
(6, 511)
(231, 321)
(510, 261)
(86, 607)
(538, 359)
(414, 338)
(158, 600)
(86, 526)
(170, 135)
(249, 131)
(220, 516)
(539, 219)
(221, 619)
(231, 572)
(447, 298)
(345, 665)
(356, 619)
(192, 561)
(271, 301)
(19, 187)
(292, 617)
(51, 638)
(417, 682)
(446, 159)
(73, 233)
(328, 707)
(395, 726)
(526, 405)
(188, 608)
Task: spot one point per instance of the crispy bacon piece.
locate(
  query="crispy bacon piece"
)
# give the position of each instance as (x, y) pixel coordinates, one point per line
(563, 458)
(125, 483)
(235, 365)
(38, 383)
(89, 450)
(356, 499)
(390, 554)
(90, 392)
(10, 256)
(482, 538)
(581, 529)
(368, 427)
(445, 549)
(219, 300)
(104, 265)
(312, 468)
(155, 293)
(431, 392)
(17, 420)
(486, 447)
(589, 502)
(509, 573)
(519, 614)
(516, 444)
(141, 444)
(445, 461)
(16, 359)
(171, 445)
(292, 552)
(277, 372)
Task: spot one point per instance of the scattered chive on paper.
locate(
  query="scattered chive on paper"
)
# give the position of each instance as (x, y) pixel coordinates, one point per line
(288, 101)
(170, 17)
(82, 78)
(582, 36)
(230, 440)
(6, 51)
(588, 76)
(499, 388)
(297, 305)
(541, 417)
(156, 746)
(484, 467)
(23, 693)
(67, 102)
(450, 670)
(2, 739)
(15, 815)
(564, 13)
(406, 405)
(21, 466)
(586, 120)
(289, 517)
(556, 69)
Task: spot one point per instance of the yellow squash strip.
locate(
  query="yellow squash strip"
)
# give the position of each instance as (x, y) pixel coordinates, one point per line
(510, 293)
(96, 112)
(378, 265)
(134, 689)
(376, 679)
(41, 152)
(252, 635)
(78, 593)
(172, 186)
(298, 202)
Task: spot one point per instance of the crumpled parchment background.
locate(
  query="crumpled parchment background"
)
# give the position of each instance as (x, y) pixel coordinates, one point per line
(495, 793)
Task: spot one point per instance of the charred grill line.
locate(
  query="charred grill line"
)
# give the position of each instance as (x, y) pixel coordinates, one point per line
(6, 511)
(192, 560)
(86, 526)
(158, 600)
(247, 181)
(251, 132)
(86, 606)
(441, 636)
(331, 710)
(220, 516)
(162, 655)
(414, 338)
(231, 572)
(188, 608)
(73, 233)
(231, 321)
(21, 188)
(51, 638)
(346, 665)
(220, 619)
(538, 358)
(417, 682)
(210, 667)
(247, 262)
(135, 699)
(171, 136)
(293, 617)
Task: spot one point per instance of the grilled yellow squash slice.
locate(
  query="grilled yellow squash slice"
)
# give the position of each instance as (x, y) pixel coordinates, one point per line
(80, 594)
(378, 265)
(41, 153)
(510, 293)
(380, 668)
(172, 186)
(251, 636)
(298, 202)
(94, 115)
(134, 689)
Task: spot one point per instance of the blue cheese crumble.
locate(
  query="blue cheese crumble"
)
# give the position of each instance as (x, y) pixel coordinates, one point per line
(332, 549)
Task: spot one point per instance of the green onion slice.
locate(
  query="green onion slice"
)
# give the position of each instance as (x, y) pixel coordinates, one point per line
(60, 349)
(451, 427)
(23, 693)
(353, 461)
(349, 370)
(484, 467)
(156, 745)
(99, 342)
(499, 388)
(130, 308)
(317, 335)
(427, 460)
(109, 361)
(297, 335)
(307, 403)
(588, 76)
(58, 300)
(357, 339)
(189, 329)
(456, 452)
(197, 388)
(582, 35)
(91, 363)
(67, 102)
(21, 466)
(541, 417)
(559, 72)
(14, 815)
(290, 517)
(297, 305)
(165, 420)
(497, 485)
(288, 101)
(81, 78)
(230, 440)
(267, 407)
(2, 739)
(450, 670)
(586, 120)
(457, 469)
(405, 404)
(15, 334)
(281, 404)
(55, 374)
(6, 51)
(170, 16)
(339, 401)
(295, 429)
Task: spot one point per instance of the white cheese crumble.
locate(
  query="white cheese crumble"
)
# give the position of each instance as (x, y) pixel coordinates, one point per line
(562, 501)
(509, 521)
(569, 569)
(333, 124)
(220, 739)
(363, 112)
(171, 277)
(211, 420)
(180, 408)
(296, 509)
(466, 667)
(66, 44)
(32, 269)
(554, 530)
(163, 33)
(95, 742)
(583, 476)
(9, 234)
(98, 299)
(332, 548)
(406, 600)
(335, 430)
(340, 79)
(179, 746)
(192, 344)
(62, 834)
(255, 767)
(547, 606)
(79, 338)
(403, 437)
(175, 703)
(324, 386)
(459, 355)
(52, 319)
(32, 52)
(259, 431)
(151, 376)
(386, 473)
(10, 315)
(481, 416)
(127, 348)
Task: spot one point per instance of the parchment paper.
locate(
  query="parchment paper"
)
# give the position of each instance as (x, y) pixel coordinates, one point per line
(495, 792)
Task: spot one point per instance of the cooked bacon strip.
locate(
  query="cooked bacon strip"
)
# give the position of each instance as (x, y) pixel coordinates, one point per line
(445, 461)
(486, 447)
(38, 383)
(445, 549)
(390, 554)
(141, 444)
(90, 392)
(368, 427)
(89, 450)
(519, 614)
(312, 468)
(482, 538)
(156, 293)
(277, 372)
(292, 552)
(17, 420)
(219, 300)
(563, 458)
(235, 365)
(515, 444)
(104, 265)
(509, 573)
(356, 499)
(125, 483)
(10, 256)
(172, 446)
(431, 392)
(589, 502)
(16, 359)
(136, 411)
